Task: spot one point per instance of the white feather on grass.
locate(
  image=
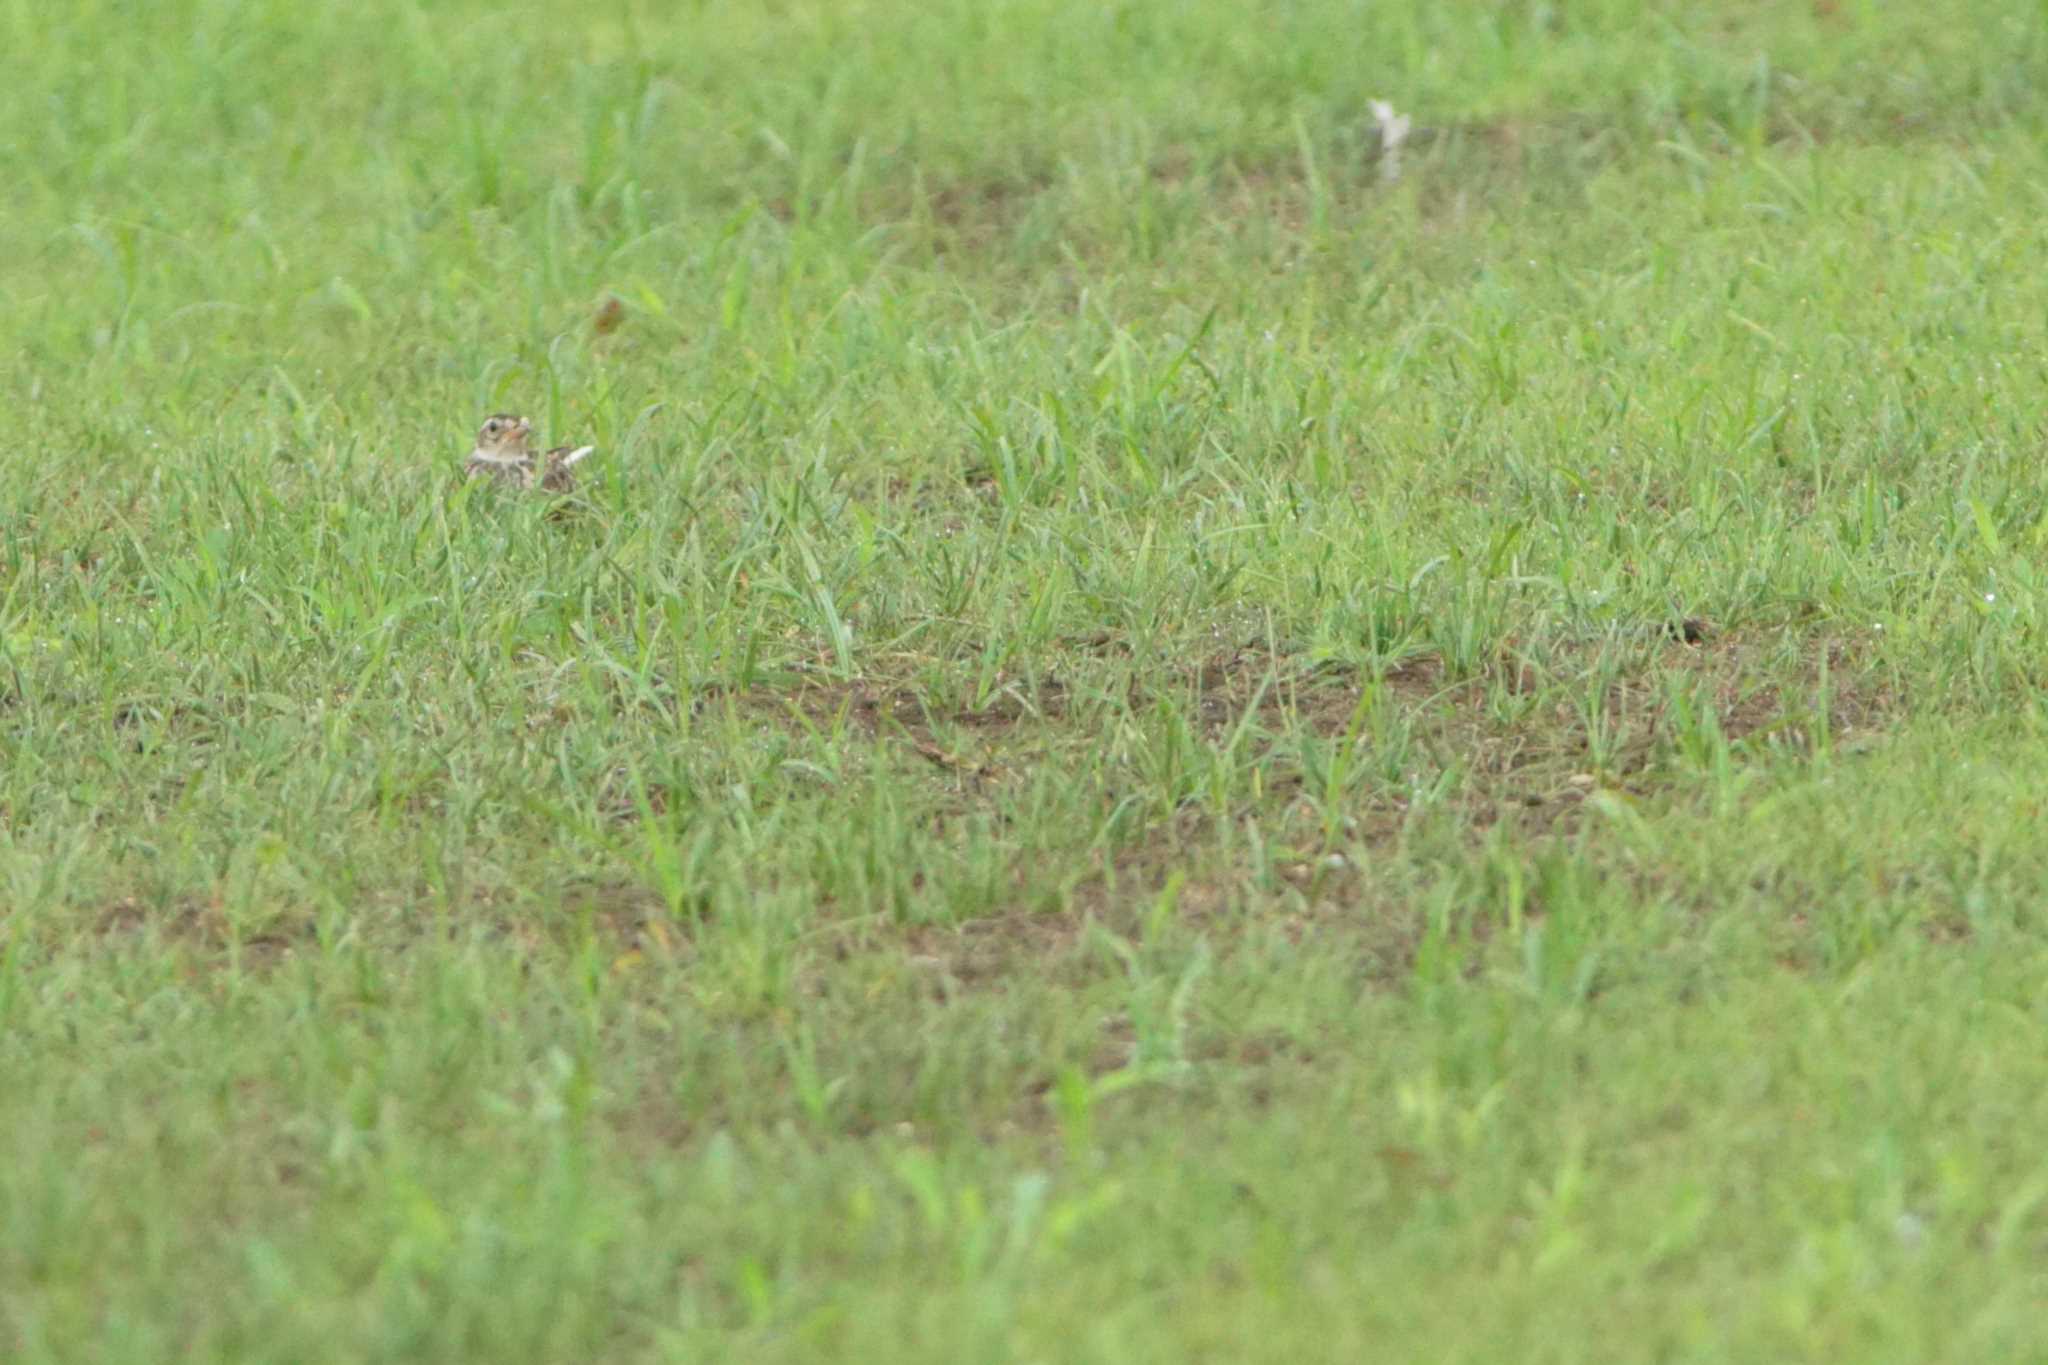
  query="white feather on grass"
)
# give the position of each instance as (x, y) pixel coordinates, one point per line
(1394, 129)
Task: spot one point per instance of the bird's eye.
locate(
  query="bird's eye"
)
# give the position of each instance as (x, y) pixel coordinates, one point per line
(492, 426)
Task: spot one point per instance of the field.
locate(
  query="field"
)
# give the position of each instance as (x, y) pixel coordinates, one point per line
(1152, 738)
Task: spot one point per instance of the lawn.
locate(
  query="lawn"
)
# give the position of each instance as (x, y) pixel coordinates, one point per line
(1149, 738)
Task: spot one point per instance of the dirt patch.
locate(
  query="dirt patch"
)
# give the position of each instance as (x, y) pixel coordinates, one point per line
(984, 204)
(1581, 724)
(1525, 740)
(981, 953)
(1526, 736)
(1533, 767)
(205, 927)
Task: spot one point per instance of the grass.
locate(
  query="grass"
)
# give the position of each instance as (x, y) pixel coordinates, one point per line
(1143, 744)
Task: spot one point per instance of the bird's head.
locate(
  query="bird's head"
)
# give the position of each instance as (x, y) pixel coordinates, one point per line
(503, 435)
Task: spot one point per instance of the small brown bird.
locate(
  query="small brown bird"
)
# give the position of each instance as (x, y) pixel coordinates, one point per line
(502, 453)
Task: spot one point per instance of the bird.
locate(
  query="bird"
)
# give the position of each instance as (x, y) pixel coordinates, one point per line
(502, 453)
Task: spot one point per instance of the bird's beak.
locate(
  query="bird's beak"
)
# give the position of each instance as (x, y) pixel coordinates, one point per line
(525, 425)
